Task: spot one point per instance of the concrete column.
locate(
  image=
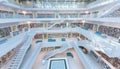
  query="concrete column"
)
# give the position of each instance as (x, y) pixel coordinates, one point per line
(45, 25)
(14, 13)
(95, 27)
(28, 26)
(71, 34)
(67, 35)
(16, 28)
(98, 27)
(43, 36)
(12, 30)
(67, 25)
(56, 15)
(34, 14)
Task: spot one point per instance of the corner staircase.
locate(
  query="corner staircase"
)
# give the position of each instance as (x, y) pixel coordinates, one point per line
(64, 47)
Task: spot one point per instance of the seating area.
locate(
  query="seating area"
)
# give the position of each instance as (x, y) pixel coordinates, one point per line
(51, 40)
(40, 17)
(63, 39)
(69, 54)
(100, 34)
(38, 41)
(3, 40)
(45, 16)
(86, 28)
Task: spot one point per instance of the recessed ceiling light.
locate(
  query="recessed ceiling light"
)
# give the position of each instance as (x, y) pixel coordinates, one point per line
(24, 12)
(83, 21)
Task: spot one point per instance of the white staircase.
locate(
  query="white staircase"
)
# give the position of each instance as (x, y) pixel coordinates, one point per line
(86, 33)
(54, 24)
(109, 10)
(64, 47)
(19, 56)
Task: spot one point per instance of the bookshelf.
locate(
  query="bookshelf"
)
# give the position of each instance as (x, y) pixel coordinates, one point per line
(110, 31)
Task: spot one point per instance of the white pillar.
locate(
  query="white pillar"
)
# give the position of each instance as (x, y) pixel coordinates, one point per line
(67, 25)
(43, 36)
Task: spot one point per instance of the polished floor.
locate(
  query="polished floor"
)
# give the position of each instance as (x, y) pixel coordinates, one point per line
(73, 63)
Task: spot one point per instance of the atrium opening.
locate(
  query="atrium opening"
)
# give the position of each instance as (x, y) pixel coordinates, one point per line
(59, 34)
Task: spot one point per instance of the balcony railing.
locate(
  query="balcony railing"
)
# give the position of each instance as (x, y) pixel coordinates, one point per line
(11, 15)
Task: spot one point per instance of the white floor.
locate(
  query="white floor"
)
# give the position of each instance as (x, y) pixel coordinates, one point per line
(74, 63)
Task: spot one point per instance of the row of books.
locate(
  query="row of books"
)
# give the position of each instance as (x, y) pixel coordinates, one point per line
(110, 31)
(4, 32)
